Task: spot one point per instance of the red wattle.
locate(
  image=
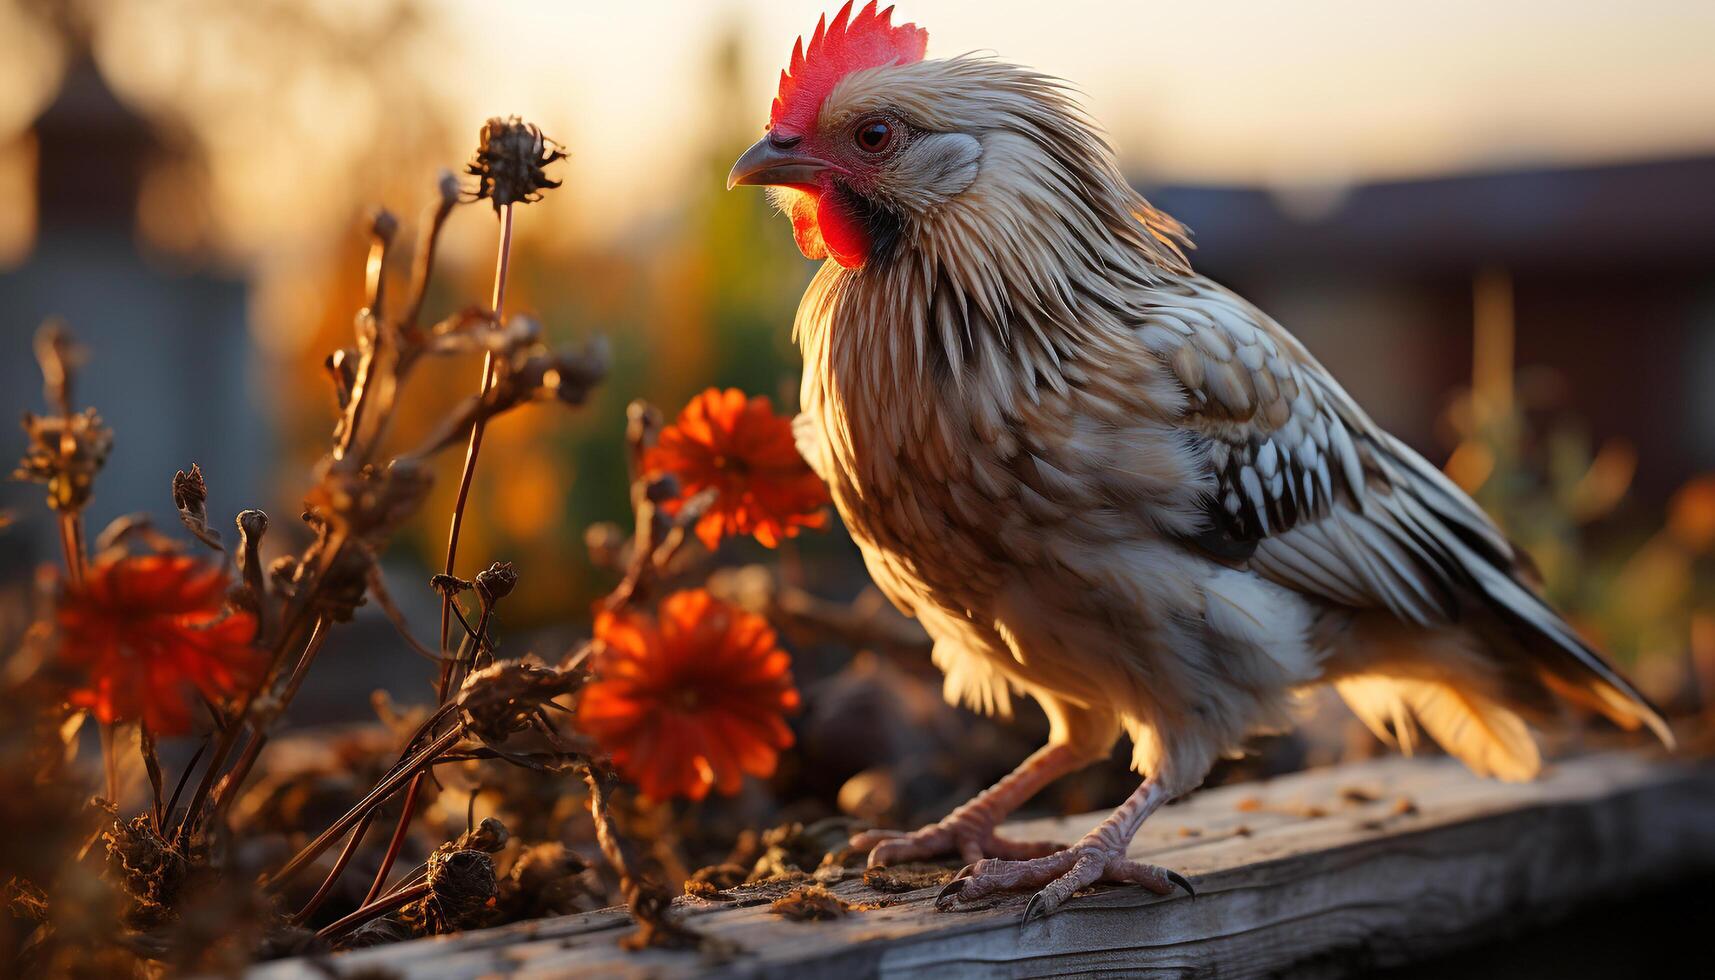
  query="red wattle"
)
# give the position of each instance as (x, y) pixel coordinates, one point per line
(823, 227)
(802, 209)
(842, 233)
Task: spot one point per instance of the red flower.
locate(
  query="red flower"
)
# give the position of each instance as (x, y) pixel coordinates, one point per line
(148, 632)
(746, 452)
(694, 700)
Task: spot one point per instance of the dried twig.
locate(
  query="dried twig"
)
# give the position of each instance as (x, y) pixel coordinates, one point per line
(649, 903)
(376, 908)
(383, 791)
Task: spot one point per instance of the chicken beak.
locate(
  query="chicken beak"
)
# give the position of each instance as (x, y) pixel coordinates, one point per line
(770, 164)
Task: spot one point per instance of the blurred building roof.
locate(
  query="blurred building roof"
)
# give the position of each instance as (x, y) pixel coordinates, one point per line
(92, 153)
(172, 364)
(1657, 215)
(1613, 290)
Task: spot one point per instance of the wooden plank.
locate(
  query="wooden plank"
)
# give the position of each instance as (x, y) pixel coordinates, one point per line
(1371, 864)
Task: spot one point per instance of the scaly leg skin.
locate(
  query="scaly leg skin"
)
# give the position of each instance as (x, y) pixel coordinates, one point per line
(1099, 856)
(969, 830)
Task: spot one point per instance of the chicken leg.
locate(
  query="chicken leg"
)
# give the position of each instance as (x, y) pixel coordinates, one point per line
(969, 831)
(1099, 856)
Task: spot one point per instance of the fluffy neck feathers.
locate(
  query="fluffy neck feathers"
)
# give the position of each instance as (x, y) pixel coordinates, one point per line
(1043, 260)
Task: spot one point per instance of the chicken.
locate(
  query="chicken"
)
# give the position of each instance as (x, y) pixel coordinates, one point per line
(1106, 482)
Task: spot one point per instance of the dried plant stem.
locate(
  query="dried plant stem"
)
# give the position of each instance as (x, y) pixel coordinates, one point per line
(228, 741)
(374, 336)
(259, 739)
(423, 263)
(357, 836)
(502, 262)
(470, 648)
(396, 843)
(449, 682)
(377, 908)
(613, 844)
(152, 766)
(71, 543)
(179, 787)
(289, 628)
(408, 335)
(345, 855)
(649, 904)
(380, 794)
(110, 760)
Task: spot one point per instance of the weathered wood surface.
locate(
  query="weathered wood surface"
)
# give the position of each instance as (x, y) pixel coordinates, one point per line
(1316, 873)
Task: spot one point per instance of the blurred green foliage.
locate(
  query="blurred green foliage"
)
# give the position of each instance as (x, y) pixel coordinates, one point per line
(1646, 596)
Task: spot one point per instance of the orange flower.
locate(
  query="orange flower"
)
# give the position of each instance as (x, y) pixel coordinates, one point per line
(746, 452)
(694, 700)
(148, 631)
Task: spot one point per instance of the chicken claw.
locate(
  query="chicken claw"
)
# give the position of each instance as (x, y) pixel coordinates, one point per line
(1058, 876)
(1099, 856)
(971, 837)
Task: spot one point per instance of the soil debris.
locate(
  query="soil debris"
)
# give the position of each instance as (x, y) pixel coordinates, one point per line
(810, 903)
(711, 883)
(906, 878)
(1358, 795)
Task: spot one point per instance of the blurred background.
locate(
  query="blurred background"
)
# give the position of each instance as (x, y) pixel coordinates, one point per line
(1495, 223)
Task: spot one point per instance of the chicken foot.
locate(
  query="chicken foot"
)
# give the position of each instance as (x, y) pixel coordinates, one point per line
(969, 831)
(1099, 856)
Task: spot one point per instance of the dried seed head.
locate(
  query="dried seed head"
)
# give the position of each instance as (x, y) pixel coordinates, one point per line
(65, 453)
(190, 496)
(149, 868)
(66, 450)
(463, 886)
(500, 699)
(511, 155)
(252, 524)
(190, 490)
(496, 582)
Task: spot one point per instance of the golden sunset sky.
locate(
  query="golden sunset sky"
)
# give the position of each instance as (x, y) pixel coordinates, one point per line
(1236, 91)
(1311, 92)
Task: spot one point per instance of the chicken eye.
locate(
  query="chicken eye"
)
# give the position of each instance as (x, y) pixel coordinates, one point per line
(874, 136)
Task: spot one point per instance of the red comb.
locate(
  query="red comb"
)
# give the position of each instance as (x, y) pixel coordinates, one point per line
(835, 51)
